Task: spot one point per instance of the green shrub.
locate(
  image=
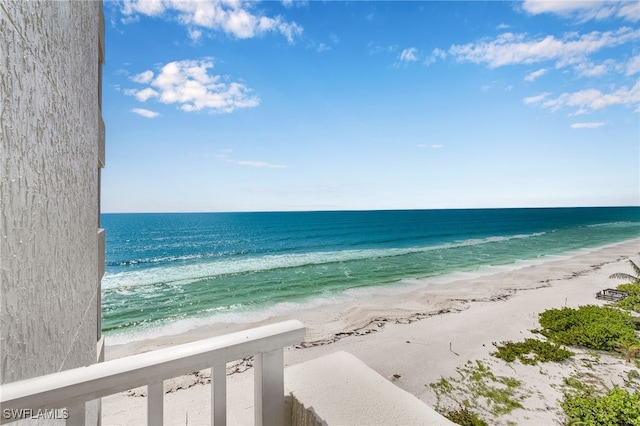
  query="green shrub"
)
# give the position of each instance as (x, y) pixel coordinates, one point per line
(595, 327)
(465, 417)
(616, 407)
(480, 389)
(542, 352)
(631, 288)
(632, 301)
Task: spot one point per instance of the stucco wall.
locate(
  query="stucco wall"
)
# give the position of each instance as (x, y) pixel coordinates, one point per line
(49, 208)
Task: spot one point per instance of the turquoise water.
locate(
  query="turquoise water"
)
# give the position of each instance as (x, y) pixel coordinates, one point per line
(172, 272)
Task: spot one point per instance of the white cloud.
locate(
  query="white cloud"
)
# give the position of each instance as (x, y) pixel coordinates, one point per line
(145, 112)
(497, 84)
(250, 163)
(585, 10)
(510, 49)
(233, 17)
(536, 99)
(143, 77)
(435, 55)
(294, 3)
(633, 66)
(591, 125)
(437, 146)
(318, 47)
(503, 26)
(145, 7)
(375, 48)
(189, 84)
(589, 69)
(194, 34)
(589, 99)
(535, 74)
(409, 54)
(259, 164)
(142, 95)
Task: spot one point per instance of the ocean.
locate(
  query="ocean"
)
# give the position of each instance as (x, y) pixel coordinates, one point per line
(169, 272)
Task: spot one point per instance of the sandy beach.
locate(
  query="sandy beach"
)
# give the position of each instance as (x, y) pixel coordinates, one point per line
(419, 337)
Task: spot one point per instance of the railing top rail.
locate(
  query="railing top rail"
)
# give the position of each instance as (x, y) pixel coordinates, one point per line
(69, 387)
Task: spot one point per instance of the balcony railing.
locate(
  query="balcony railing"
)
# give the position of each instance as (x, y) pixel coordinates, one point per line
(72, 389)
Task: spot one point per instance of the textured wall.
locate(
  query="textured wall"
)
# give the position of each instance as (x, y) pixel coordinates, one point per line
(49, 131)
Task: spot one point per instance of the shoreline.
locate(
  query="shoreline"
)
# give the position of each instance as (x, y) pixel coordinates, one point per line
(438, 295)
(418, 338)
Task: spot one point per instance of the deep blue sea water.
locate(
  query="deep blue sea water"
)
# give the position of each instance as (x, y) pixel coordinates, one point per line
(167, 273)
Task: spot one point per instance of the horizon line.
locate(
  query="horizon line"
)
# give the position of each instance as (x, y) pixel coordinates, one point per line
(374, 210)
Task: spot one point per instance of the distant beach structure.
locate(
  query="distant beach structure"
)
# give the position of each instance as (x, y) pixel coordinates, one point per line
(167, 273)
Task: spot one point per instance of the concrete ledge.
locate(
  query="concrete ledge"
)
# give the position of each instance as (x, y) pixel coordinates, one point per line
(339, 389)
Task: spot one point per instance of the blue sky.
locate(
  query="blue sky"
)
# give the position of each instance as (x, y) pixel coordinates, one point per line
(307, 105)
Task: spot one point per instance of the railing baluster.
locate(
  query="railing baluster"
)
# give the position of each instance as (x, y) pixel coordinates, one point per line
(269, 388)
(219, 394)
(155, 403)
(77, 414)
(72, 388)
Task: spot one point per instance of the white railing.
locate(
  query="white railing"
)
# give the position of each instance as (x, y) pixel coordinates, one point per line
(72, 389)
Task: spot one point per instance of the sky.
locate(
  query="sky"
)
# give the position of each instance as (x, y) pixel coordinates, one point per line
(229, 106)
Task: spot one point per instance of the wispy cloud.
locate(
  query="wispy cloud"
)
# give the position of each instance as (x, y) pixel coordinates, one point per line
(434, 146)
(588, 100)
(586, 10)
(497, 84)
(145, 112)
(143, 77)
(409, 54)
(189, 85)
(535, 74)
(375, 48)
(143, 94)
(294, 3)
(511, 49)
(590, 69)
(633, 66)
(536, 99)
(258, 164)
(224, 156)
(318, 47)
(591, 125)
(194, 34)
(435, 55)
(231, 17)
(323, 47)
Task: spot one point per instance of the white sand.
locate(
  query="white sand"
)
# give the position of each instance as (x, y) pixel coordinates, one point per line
(421, 336)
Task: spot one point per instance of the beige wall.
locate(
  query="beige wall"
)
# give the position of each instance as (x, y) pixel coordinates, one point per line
(50, 151)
